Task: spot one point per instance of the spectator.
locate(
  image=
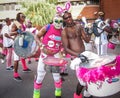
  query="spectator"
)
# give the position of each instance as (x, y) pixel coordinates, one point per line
(8, 43)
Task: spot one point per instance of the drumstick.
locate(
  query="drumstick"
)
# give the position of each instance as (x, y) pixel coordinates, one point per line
(85, 21)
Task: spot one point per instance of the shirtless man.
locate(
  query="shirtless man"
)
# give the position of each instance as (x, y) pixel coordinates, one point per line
(17, 27)
(72, 38)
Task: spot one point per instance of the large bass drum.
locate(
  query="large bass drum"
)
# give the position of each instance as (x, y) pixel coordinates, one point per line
(25, 45)
(101, 75)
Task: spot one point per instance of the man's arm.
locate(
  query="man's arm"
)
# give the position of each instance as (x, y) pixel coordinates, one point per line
(13, 30)
(86, 37)
(39, 35)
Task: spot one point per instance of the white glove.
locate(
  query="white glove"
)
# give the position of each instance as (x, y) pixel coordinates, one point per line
(75, 63)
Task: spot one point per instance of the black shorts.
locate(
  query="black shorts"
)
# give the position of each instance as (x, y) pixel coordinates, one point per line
(9, 46)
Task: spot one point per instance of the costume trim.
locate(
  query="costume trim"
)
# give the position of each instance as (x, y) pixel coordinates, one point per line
(100, 73)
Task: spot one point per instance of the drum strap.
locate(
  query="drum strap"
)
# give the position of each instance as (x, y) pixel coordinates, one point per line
(47, 28)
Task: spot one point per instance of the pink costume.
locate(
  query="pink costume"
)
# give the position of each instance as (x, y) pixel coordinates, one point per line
(51, 41)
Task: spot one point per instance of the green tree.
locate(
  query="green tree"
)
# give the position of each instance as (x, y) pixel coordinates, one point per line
(40, 13)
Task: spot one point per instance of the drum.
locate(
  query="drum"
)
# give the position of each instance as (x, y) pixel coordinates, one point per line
(111, 45)
(25, 45)
(102, 76)
(35, 53)
(54, 64)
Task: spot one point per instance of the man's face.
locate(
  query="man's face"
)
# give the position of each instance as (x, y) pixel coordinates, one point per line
(67, 18)
(22, 17)
(58, 22)
(29, 25)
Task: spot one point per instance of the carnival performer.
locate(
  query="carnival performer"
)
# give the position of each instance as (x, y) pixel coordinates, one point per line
(33, 30)
(18, 27)
(72, 40)
(51, 43)
(8, 43)
(101, 40)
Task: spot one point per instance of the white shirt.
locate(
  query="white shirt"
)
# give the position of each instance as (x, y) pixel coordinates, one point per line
(32, 30)
(7, 42)
(103, 37)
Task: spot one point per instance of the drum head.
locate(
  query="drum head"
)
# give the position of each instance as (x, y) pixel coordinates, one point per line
(30, 45)
(54, 61)
(102, 60)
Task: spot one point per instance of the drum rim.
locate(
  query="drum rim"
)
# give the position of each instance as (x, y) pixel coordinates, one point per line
(53, 64)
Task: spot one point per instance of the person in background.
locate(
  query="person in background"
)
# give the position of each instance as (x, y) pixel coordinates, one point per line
(8, 43)
(33, 30)
(101, 40)
(17, 27)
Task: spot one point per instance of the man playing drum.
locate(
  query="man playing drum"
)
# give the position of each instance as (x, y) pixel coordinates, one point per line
(51, 46)
(72, 38)
(18, 26)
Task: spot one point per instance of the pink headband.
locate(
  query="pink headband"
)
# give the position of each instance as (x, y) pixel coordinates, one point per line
(61, 10)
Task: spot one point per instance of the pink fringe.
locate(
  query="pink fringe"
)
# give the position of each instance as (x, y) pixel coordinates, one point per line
(100, 73)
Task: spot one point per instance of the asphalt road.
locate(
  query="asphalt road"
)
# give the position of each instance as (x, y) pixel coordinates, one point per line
(9, 88)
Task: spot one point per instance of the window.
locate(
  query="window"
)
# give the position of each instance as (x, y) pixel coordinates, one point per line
(7, 7)
(12, 6)
(1, 8)
(89, 2)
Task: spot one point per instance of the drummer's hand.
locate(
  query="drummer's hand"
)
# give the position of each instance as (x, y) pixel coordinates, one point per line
(83, 58)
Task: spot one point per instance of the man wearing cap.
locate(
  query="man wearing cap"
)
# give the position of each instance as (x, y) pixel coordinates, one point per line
(101, 37)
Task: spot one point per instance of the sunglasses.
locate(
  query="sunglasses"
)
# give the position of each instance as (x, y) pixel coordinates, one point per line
(58, 21)
(23, 16)
(67, 17)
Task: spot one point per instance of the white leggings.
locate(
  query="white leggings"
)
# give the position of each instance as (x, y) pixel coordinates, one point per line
(41, 72)
(102, 49)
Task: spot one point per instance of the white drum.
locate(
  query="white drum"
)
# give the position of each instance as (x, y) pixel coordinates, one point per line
(102, 75)
(105, 88)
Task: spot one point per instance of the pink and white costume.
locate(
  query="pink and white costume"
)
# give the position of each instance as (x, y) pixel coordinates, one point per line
(52, 41)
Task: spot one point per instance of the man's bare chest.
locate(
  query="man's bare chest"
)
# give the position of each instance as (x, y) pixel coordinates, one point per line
(73, 33)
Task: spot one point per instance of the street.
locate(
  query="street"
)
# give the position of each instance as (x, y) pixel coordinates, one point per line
(9, 88)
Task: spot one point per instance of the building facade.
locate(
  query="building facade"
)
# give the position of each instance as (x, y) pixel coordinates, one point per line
(9, 8)
(111, 8)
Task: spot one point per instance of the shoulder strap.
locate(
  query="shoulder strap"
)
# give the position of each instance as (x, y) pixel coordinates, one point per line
(48, 27)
